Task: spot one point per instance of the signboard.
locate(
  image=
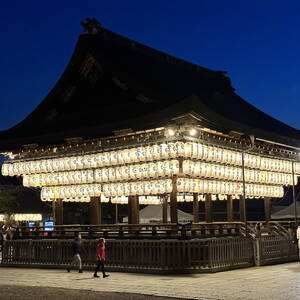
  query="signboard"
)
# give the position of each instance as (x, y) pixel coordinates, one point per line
(49, 225)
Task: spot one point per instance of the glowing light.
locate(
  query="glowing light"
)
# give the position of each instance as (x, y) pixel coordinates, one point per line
(193, 132)
(171, 132)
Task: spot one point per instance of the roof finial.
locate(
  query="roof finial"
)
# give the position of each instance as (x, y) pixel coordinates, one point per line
(91, 26)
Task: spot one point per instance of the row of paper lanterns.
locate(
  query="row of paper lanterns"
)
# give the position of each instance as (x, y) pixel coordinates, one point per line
(23, 217)
(129, 172)
(229, 188)
(188, 150)
(202, 169)
(108, 190)
(165, 168)
(156, 187)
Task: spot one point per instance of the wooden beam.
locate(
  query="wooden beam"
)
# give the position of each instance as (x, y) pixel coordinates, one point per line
(164, 209)
(242, 207)
(95, 211)
(195, 208)
(173, 201)
(208, 208)
(58, 211)
(267, 205)
(230, 217)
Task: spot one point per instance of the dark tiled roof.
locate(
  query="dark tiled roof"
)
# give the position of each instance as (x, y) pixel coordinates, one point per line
(112, 83)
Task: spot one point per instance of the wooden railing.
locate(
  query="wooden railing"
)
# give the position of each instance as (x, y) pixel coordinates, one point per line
(136, 255)
(140, 231)
(275, 249)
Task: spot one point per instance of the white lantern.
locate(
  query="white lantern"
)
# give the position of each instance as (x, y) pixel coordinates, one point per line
(188, 148)
(114, 157)
(98, 175)
(132, 155)
(149, 153)
(119, 174)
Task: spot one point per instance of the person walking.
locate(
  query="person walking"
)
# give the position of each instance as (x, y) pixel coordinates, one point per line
(100, 258)
(77, 250)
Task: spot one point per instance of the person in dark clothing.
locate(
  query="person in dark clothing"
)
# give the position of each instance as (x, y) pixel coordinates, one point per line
(77, 251)
(100, 258)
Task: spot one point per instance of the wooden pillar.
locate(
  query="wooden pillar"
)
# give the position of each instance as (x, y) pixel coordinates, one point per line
(57, 206)
(173, 201)
(116, 214)
(230, 216)
(133, 210)
(165, 209)
(195, 208)
(95, 211)
(242, 205)
(267, 204)
(129, 210)
(208, 208)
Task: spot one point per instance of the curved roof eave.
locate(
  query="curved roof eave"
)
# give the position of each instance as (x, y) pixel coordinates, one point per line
(112, 82)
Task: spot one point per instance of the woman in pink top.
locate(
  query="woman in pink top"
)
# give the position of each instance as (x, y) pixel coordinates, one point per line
(100, 258)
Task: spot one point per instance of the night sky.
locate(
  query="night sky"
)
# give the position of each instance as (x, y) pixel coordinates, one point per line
(257, 42)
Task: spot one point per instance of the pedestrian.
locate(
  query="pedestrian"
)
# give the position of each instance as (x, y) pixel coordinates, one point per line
(100, 258)
(77, 250)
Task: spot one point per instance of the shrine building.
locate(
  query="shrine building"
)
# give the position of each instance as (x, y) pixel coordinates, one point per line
(126, 123)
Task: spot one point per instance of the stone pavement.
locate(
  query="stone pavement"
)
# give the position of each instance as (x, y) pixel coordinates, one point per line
(277, 282)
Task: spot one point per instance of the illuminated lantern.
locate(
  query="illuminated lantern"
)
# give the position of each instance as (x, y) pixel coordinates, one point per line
(157, 152)
(107, 190)
(214, 171)
(210, 169)
(87, 161)
(180, 185)
(112, 174)
(114, 158)
(204, 170)
(141, 188)
(188, 150)
(173, 150)
(238, 158)
(186, 167)
(101, 159)
(219, 155)
(153, 170)
(126, 187)
(4, 170)
(197, 169)
(105, 175)
(115, 189)
(118, 174)
(129, 172)
(210, 153)
(160, 169)
(147, 188)
(180, 148)
(224, 155)
(149, 150)
(134, 171)
(144, 170)
(139, 171)
(194, 151)
(143, 156)
(126, 156)
(98, 175)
